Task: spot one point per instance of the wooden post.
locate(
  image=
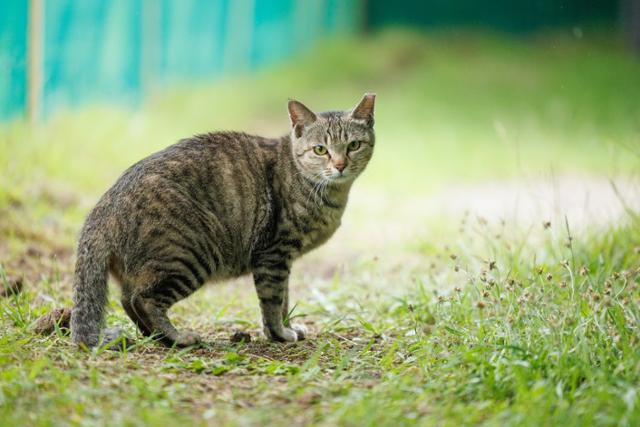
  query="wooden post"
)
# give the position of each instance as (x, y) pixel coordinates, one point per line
(34, 61)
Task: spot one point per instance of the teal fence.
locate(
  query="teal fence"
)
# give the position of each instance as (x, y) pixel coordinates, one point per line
(13, 58)
(116, 50)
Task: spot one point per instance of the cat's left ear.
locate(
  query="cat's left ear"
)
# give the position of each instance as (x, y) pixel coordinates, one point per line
(364, 110)
(300, 116)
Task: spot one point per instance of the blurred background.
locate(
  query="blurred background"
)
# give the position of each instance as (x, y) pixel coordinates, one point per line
(518, 109)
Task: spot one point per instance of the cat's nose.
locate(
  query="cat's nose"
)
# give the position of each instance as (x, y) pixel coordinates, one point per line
(340, 166)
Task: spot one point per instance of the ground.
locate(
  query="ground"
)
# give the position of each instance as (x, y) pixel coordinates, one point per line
(486, 271)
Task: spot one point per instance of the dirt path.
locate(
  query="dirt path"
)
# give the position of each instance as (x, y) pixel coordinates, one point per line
(381, 222)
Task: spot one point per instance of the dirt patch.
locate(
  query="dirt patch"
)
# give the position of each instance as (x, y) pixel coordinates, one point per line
(34, 254)
(59, 317)
(378, 221)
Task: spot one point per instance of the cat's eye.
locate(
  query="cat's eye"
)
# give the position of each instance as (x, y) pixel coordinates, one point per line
(320, 150)
(353, 145)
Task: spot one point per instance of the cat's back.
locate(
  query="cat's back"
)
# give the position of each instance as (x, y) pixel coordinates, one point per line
(211, 155)
(225, 173)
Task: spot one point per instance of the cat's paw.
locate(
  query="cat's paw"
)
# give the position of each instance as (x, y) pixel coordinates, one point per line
(115, 339)
(187, 339)
(301, 331)
(283, 335)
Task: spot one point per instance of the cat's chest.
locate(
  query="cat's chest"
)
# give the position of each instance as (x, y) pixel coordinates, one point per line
(314, 230)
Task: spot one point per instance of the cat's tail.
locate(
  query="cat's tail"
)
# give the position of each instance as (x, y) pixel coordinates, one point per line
(90, 291)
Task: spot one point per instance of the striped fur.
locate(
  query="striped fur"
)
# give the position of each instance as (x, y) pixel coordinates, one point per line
(217, 206)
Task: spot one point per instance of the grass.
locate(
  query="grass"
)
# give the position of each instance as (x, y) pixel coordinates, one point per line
(489, 323)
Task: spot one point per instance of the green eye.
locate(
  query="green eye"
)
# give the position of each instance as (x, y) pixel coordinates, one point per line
(353, 145)
(320, 150)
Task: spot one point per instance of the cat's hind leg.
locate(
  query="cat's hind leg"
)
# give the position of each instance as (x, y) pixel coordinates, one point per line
(150, 306)
(138, 319)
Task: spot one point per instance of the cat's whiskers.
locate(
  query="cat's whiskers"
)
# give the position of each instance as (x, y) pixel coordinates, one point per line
(318, 192)
(316, 184)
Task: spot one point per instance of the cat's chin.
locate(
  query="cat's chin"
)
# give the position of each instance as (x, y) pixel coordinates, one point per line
(341, 179)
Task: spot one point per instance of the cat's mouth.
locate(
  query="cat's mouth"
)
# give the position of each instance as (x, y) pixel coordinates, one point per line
(338, 178)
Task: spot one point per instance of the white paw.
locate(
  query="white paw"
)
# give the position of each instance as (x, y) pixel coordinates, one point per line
(283, 335)
(301, 331)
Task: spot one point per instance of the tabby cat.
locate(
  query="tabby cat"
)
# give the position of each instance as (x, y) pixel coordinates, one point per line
(217, 206)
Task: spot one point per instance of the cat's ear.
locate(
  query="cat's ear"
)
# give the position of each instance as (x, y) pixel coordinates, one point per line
(300, 116)
(364, 110)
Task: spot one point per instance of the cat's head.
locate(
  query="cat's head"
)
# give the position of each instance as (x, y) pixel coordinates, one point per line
(333, 146)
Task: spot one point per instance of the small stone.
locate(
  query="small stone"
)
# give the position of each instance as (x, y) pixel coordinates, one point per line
(241, 337)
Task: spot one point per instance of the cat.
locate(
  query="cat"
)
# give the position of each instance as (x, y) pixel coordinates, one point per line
(217, 206)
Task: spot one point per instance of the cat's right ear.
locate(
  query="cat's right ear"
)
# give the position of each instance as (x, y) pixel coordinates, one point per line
(300, 116)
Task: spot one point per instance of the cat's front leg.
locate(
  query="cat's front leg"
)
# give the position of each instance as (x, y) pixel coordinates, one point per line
(271, 279)
(301, 330)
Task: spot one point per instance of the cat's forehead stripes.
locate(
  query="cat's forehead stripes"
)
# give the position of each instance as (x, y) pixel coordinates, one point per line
(336, 129)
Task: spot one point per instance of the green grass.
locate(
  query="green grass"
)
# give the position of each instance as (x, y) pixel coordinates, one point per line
(529, 335)
(489, 323)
